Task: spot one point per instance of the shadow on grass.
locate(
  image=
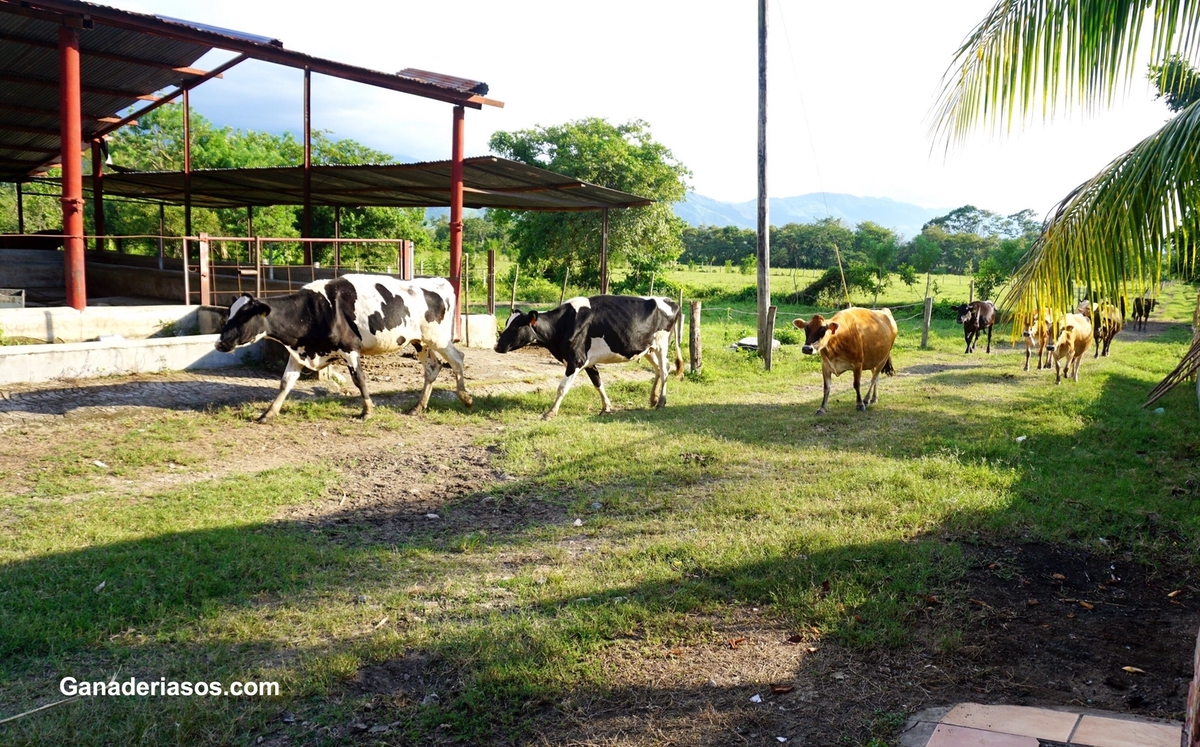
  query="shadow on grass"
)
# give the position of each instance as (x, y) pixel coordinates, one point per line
(553, 666)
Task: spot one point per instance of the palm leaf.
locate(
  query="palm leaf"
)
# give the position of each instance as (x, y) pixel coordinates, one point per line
(1114, 233)
(1032, 56)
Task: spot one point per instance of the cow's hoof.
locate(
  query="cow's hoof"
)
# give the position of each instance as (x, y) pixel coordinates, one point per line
(417, 410)
(821, 411)
(365, 414)
(265, 417)
(862, 407)
(466, 399)
(549, 415)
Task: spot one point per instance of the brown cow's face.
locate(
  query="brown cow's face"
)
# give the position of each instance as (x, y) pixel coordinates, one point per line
(816, 333)
(1065, 346)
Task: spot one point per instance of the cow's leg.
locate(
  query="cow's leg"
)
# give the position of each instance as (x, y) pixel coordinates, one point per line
(291, 375)
(662, 371)
(860, 404)
(872, 394)
(652, 354)
(564, 386)
(967, 335)
(1099, 341)
(605, 403)
(1078, 360)
(455, 358)
(989, 342)
(1057, 376)
(354, 363)
(1029, 353)
(432, 367)
(828, 385)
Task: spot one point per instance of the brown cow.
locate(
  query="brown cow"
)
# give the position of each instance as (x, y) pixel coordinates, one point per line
(1072, 343)
(853, 340)
(1105, 325)
(1039, 333)
(1142, 306)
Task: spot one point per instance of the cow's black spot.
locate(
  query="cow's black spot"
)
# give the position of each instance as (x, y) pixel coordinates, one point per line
(343, 297)
(392, 313)
(435, 309)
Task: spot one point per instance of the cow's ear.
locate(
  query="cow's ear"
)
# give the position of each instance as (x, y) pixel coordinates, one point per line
(533, 317)
(833, 327)
(799, 323)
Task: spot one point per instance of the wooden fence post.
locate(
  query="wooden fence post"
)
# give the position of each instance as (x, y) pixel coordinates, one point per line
(925, 326)
(205, 290)
(694, 331)
(512, 305)
(769, 353)
(971, 298)
(491, 282)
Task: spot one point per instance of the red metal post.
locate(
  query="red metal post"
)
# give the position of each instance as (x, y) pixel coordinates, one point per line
(205, 274)
(71, 136)
(98, 194)
(456, 208)
(306, 221)
(187, 179)
(604, 251)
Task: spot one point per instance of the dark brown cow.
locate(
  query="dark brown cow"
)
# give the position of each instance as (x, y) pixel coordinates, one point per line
(976, 317)
(1142, 307)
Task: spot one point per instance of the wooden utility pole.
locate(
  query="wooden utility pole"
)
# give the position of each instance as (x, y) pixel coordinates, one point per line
(766, 336)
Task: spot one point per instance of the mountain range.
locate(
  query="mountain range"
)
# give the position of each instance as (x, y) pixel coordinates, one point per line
(902, 217)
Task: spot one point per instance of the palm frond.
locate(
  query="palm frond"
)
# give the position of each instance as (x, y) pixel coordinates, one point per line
(1115, 233)
(1031, 56)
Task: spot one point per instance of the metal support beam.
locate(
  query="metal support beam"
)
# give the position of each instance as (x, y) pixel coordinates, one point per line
(337, 234)
(142, 62)
(71, 138)
(187, 176)
(456, 208)
(604, 251)
(306, 220)
(98, 195)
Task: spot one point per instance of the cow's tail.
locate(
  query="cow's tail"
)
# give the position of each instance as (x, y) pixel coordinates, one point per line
(888, 368)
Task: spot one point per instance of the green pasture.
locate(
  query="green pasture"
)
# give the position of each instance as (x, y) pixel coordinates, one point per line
(735, 495)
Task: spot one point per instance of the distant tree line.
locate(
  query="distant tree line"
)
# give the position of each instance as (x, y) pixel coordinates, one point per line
(967, 240)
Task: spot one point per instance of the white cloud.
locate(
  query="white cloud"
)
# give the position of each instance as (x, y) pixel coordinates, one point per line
(867, 72)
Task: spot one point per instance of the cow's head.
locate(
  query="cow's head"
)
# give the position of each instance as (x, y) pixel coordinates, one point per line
(518, 332)
(965, 312)
(247, 323)
(816, 333)
(1064, 346)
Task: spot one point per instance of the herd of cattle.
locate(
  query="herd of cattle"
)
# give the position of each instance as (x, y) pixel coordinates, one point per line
(352, 316)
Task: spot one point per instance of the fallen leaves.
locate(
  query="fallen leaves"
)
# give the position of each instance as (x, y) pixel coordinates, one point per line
(1134, 670)
(781, 689)
(1175, 593)
(1032, 602)
(1086, 605)
(733, 642)
(1059, 577)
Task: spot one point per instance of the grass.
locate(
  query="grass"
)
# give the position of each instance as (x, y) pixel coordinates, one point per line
(734, 495)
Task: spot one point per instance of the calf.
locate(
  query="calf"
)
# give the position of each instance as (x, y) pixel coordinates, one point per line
(1142, 306)
(1039, 333)
(349, 317)
(976, 317)
(853, 340)
(584, 332)
(1106, 323)
(1072, 343)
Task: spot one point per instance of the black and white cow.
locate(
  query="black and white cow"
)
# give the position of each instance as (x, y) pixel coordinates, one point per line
(349, 317)
(584, 332)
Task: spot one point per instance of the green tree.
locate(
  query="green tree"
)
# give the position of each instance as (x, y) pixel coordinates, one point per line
(1177, 82)
(623, 157)
(810, 245)
(1115, 233)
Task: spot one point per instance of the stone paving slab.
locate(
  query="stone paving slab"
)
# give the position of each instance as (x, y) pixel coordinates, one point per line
(978, 725)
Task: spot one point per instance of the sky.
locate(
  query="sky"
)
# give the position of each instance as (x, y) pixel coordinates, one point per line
(851, 86)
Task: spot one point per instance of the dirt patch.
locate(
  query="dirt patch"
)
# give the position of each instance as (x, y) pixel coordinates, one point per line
(1057, 652)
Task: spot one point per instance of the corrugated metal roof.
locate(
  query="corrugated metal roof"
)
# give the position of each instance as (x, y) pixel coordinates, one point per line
(29, 96)
(462, 85)
(112, 82)
(489, 182)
